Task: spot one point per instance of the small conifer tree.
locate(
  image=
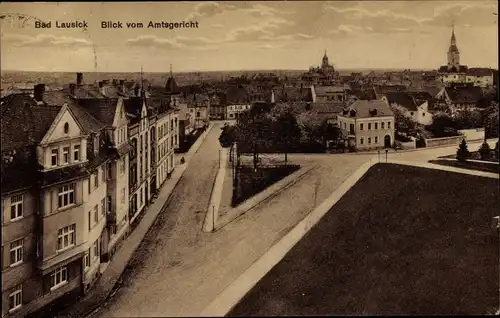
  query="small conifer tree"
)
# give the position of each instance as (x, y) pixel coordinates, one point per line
(463, 151)
(485, 151)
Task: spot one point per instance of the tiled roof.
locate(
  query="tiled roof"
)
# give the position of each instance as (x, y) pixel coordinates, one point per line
(364, 94)
(468, 94)
(402, 99)
(324, 90)
(364, 109)
(236, 95)
(101, 109)
(171, 86)
(290, 93)
(480, 71)
(461, 69)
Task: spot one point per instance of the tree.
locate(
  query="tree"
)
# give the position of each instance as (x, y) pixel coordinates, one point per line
(485, 151)
(496, 150)
(443, 125)
(227, 136)
(286, 131)
(463, 151)
(403, 122)
(254, 133)
(467, 119)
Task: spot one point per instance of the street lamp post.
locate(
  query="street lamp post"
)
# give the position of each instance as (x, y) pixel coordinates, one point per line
(386, 151)
(378, 156)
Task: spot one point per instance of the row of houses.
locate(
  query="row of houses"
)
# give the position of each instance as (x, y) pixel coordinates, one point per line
(79, 167)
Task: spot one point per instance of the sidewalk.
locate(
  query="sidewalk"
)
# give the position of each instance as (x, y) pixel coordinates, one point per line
(104, 286)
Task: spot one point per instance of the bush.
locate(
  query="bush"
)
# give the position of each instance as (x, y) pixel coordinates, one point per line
(485, 151)
(463, 152)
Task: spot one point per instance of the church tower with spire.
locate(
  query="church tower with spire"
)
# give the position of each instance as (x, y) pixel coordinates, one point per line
(453, 53)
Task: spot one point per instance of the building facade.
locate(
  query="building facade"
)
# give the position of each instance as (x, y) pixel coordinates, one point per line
(367, 125)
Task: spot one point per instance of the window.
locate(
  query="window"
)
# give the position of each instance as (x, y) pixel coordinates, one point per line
(95, 247)
(389, 125)
(109, 204)
(66, 237)
(58, 278)
(382, 125)
(86, 260)
(16, 207)
(369, 126)
(96, 179)
(54, 156)
(369, 140)
(109, 169)
(96, 213)
(141, 196)
(376, 126)
(76, 153)
(360, 126)
(66, 195)
(411, 113)
(376, 139)
(65, 155)
(197, 114)
(90, 221)
(16, 298)
(103, 206)
(66, 128)
(423, 114)
(16, 252)
(361, 141)
(96, 144)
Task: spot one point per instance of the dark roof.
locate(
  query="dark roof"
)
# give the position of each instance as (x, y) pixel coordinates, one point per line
(402, 99)
(364, 108)
(102, 109)
(364, 94)
(293, 93)
(461, 69)
(479, 71)
(467, 94)
(171, 86)
(236, 94)
(133, 107)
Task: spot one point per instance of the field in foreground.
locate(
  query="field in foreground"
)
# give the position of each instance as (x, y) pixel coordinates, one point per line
(402, 241)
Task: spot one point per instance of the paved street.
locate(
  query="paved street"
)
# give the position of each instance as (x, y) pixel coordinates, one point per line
(181, 269)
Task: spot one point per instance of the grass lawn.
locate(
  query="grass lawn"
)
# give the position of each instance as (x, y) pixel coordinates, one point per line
(485, 167)
(402, 241)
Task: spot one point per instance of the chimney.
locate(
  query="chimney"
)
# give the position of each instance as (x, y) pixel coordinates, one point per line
(39, 90)
(102, 89)
(72, 87)
(79, 79)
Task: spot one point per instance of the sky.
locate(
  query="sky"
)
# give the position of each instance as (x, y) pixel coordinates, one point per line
(248, 35)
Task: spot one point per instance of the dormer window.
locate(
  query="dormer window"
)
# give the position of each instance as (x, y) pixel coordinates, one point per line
(66, 128)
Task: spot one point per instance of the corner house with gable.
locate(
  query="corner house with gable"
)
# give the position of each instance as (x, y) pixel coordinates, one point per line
(367, 124)
(64, 199)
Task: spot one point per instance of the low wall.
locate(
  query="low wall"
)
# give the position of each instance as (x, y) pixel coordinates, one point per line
(472, 134)
(445, 141)
(409, 144)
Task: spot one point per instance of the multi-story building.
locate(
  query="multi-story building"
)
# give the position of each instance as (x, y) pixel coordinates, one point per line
(199, 109)
(64, 173)
(165, 133)
(54, 229)
(367, 124)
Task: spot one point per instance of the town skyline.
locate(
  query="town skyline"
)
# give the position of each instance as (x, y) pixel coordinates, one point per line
(256, 35)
